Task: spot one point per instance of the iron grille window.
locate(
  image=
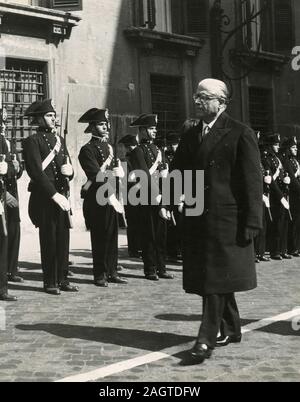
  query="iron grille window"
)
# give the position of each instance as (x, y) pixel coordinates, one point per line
(260, 109)
(166, 102)
(22, 83)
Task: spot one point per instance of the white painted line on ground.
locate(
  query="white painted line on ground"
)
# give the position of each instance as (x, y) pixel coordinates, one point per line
(116, 368)
(125, 365)
(267, 321)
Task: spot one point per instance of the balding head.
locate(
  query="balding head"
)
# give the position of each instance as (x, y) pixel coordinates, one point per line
(211, 99)
(214, 87)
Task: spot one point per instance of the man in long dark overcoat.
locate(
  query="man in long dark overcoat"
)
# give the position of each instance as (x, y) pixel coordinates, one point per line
(218, 250)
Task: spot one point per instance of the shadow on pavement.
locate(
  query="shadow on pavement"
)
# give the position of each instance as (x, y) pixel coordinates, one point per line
(284, 328)
(29, 265)
(133, 338)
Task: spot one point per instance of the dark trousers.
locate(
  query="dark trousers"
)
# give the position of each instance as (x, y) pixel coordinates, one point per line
(14, 234)
(294, 226)
(153, 231)
(220, 313)
(278, 230)
(260, 240)
(55, 243)
(133, 234)
(104, 240)
(3, 264)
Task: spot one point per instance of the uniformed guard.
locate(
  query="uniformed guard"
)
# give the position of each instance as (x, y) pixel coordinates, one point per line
(6, 171)
(292, 166)
(49, 207)
(280, 209)
(13, 211)
(133, 235)
(102, 220)
(148, 158)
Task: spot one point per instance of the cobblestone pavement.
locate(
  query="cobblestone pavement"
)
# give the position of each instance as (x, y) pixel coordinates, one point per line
(48, 338)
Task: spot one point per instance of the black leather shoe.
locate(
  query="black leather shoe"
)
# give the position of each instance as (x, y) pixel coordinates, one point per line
(117, 279)
(276, 257)
(264, 259)
(8, 298)
(69, 288)
(199, 353)
(152, 277)
(69, 274)
(257, 260)
(15, 279)
(120, 268)
(296, 254)
(52, 291)
(286, 256)
(225, 340)
(101, 283)
(164, 275)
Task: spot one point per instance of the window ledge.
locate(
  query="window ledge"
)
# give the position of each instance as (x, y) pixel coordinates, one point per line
(277, 60)
(58, 24)
(150, 39)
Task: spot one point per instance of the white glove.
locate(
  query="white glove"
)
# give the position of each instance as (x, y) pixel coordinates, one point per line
(11, 201)
(61, 201)
(287, 180)
(268, 179)
(164, 173)
(180, 207)
(158, 199)
(3, 168)
(16, 165)
(118, 172)
(115, 203)
(165, 214)
(285, 203)
(266, 201)
(67, 170)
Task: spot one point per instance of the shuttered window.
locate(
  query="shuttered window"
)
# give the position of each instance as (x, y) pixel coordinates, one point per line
(283, 25)
(166, 102)
(66, 5)
(190, 17)
(260, 109)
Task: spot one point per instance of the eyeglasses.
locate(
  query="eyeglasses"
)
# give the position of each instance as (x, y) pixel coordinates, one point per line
(204, 98)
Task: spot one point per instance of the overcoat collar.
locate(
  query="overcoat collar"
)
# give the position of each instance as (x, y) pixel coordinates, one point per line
(204, 150)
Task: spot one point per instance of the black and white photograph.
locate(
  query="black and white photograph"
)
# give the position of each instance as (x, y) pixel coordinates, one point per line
(149, 194)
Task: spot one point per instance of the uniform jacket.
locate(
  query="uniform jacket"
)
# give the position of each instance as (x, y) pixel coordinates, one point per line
(271, 162)
(217, 259)
(44, 183)
(91, 157)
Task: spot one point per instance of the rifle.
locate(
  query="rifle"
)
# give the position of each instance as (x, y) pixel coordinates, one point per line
(66, 160)
(116, 164)
(287, 195)
(2, 200)
(267, 194)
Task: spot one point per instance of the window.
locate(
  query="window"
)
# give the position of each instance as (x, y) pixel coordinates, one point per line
(66, 5)
(22, 83)
(166, 102)
(260, 109)
(273, 29)
(184, 17)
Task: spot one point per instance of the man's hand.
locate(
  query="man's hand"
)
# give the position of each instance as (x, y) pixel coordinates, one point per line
(3, 168)
(61, 201)
(268, 179)
(250, 233)
(165, 214)
(118, 172)
(285, 203)
(11, 201)
(67, 170)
